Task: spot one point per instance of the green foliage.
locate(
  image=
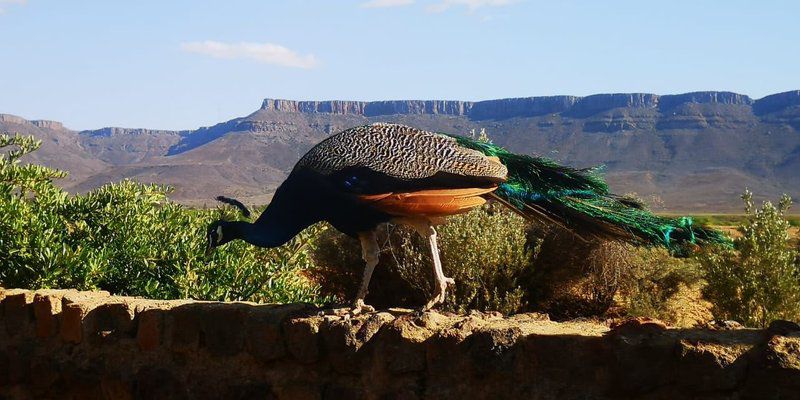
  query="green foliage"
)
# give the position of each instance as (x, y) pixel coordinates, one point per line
(735, 219)
(129, 239)
(655, 279)
(486, 251)
(759, 281)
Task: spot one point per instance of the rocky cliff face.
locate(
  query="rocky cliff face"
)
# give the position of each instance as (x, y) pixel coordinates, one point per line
(570, 106)
(777, 102)
(670, 101)
(44, 124)
(114, 131)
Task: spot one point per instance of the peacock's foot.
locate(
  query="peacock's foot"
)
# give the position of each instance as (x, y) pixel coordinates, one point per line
(360, 307)
(440, 295)
(348, 312)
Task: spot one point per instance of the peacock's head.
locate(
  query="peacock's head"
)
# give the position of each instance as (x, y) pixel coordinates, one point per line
(219, 233)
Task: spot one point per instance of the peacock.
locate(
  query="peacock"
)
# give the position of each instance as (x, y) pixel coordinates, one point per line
(369, 175)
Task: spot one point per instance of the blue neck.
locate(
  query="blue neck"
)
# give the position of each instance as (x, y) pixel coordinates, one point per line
(261, 235)
(292, 209)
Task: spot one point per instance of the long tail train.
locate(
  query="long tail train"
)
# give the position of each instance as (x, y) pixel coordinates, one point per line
(579, 200)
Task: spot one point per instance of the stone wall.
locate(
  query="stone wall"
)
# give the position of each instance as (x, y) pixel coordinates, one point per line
(69, 344)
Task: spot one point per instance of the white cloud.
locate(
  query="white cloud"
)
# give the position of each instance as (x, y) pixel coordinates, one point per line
(266, 53)
(3, 4)
(386, 3)
(471, 5)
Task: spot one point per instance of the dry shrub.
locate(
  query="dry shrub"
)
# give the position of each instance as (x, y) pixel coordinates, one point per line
(574, 278)
(502, 263)
(577, 278)
(339, 269)
(664, 287)
(486, 251)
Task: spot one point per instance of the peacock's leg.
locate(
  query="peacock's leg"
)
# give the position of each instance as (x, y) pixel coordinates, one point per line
(426, 229)
(370, 252)
(441, 280)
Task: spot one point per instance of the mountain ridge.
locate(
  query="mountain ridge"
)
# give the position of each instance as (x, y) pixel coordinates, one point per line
(694, 151)
(528, 106)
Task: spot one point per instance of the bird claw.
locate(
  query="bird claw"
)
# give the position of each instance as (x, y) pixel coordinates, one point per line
(360, 307)
(346, 313)
(440, 294)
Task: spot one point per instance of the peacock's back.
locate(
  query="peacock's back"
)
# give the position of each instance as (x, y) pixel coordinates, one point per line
(399, 152)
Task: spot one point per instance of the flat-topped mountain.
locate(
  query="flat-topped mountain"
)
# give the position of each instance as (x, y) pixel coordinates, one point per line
(687, 152)
(508, 108)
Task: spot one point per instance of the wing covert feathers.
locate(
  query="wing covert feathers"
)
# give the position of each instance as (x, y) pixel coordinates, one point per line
(401, 152)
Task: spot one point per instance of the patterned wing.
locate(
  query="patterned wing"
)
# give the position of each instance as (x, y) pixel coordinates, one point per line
(402, 153)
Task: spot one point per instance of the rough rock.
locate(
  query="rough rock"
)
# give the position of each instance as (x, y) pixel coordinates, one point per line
(114, 131)
(776, 102)
(64, 343)
(573, 106)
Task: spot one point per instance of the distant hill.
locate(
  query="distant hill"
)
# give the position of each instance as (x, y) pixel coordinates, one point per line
(687, 152)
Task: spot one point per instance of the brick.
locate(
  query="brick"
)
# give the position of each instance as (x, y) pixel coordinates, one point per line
(110, 321)
(182, 328)
(339, 341)
(44, 372)
(220, 326)
(264, 341)
(75, 309)
(116, 389)
(18, 364)
(263, 330)
(300, 391)
(153, 382)
(17, 310)
(46, 309)
(148, 334)
(302, 340)
(335, 392)
(71, 321)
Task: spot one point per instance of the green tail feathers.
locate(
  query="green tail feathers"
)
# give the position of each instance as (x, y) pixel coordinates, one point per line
(579, 200)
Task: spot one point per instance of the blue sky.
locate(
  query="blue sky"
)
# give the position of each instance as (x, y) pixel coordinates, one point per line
(184, 64)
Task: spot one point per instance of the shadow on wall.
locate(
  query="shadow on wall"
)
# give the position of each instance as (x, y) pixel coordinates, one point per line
(93, 345)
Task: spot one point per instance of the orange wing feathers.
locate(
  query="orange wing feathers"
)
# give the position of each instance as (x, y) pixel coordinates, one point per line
(430, 203)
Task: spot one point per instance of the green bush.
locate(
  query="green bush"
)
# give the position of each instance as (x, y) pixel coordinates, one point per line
(129, 239)
(501, 263)
(759, 280)
(486, 251)
(656, 278)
